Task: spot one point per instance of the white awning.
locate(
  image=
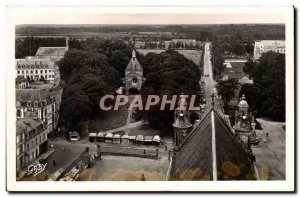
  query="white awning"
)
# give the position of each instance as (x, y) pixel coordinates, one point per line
(92, 134)
(156, 138)
(117, 136)
(126, 136)
(148, 138)
(100, 134)
(140, 138)
(109, 135)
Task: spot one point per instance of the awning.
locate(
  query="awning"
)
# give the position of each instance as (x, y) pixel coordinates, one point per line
(148, 138)
(100, 134)
(140, 138)
(109, 135)
(126, 137)
(132, 137)
(117, 136)
(156, 138)
(92, 134)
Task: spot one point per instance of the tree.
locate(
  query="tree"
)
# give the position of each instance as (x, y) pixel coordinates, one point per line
(269, 86)
(227, 89)
(168, 73)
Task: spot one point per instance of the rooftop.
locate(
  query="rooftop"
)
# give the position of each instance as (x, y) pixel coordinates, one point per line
(51, 51)
(201, 155)
(134, 65)
(30, 95)
(27, 124)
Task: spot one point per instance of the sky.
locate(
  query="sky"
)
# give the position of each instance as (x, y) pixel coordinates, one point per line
(147, 15)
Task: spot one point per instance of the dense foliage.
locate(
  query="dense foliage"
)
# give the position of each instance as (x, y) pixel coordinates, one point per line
(217, 60)
(168, 73)
(227, 89)
(91, 69)
(267, 95)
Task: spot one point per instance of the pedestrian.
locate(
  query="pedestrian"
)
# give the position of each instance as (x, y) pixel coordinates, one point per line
(143, 178)
(144, 152)
(54, 162)
(267, 134)
(166, 148)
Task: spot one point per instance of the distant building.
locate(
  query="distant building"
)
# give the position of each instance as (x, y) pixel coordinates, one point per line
(53, 53)
(191, 42)
(35, 69)
(264, 46)
(31, 140)
(38, 104)
(21, 83)
(133, 76)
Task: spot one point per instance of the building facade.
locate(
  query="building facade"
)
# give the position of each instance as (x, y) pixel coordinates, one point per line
(37, 103)
(32, 68)
(21, 83)
(133, 76)
(264, 46)
(31, 140)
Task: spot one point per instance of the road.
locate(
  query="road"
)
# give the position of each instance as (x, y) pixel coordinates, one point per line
(210, 84)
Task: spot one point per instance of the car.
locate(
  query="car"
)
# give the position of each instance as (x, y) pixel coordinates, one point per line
(74, 136)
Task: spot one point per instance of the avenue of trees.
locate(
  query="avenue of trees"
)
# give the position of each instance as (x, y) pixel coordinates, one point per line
(267, 95)
(217, 60)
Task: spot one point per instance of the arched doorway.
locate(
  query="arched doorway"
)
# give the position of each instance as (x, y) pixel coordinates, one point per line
(133, 91)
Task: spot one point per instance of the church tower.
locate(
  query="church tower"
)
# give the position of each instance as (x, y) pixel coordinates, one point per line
(182, 124)
(244, 125)
(133, 76)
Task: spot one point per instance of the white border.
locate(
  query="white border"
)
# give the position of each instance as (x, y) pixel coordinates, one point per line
(41, 15)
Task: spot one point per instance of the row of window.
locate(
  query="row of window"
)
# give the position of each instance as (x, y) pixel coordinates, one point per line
(37, 76)
(32, 66)
(36, 71)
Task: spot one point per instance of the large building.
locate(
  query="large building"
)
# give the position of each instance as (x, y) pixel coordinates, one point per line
(133, 76)
(38, 104)
(264, 46)
(31, 140)
(35, 69)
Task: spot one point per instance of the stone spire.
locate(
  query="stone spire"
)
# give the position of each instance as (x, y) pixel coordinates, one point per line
(182, 124)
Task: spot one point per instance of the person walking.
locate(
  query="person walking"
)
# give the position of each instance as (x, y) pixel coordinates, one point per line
(166, 148)
(143, 178)
(54, 162)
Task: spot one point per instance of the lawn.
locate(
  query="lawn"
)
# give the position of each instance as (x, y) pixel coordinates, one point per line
(110, 120)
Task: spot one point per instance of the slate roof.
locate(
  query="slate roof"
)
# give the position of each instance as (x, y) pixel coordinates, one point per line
(194, 158)
(27, 124)
(30, 95)
(134, 65)
(51, 51)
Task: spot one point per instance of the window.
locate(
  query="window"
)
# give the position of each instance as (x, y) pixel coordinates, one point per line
(28, 104)
(19, 66)
(45, 76)
(18, 72)
(45, 71)
(18, 113)
(36, 72)
(31, 71)
(41, 71)
(26, 71)
(35, 103)
(22, 71)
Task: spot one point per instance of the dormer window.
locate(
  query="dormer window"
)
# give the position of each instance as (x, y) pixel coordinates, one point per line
(28, 104)
(35, 104)
(134, 80)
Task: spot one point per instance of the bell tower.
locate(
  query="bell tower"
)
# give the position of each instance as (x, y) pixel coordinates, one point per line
(133, 76)
(182, 124)
(244, 125)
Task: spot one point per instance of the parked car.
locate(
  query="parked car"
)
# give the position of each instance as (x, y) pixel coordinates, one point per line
(74, 136)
